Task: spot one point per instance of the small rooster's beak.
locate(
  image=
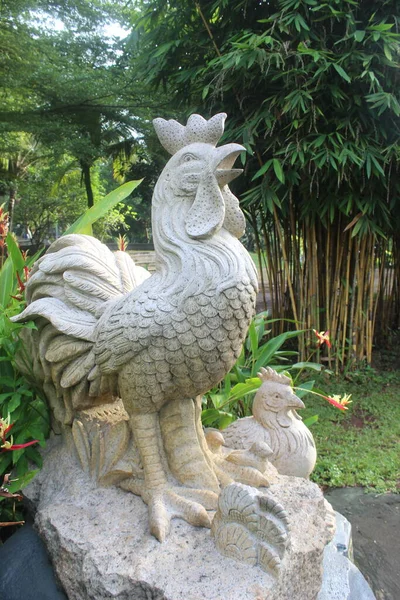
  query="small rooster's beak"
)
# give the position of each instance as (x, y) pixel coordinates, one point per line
(224, 159)
(296, 403)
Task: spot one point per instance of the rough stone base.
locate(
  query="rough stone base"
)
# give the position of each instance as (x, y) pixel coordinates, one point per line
(101, 548)
(342, 580)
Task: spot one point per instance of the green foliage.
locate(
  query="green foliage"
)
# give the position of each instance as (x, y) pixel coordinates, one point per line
(65, 85)
(317, 106)
(50, 198)
(360, 446)
(311, 91)
(84, 223)
(233, 397)
(19, 399)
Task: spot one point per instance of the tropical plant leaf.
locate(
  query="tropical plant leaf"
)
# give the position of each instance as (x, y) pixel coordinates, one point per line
(268, 350)
(6, 281)
(15, 253)
(102, 207)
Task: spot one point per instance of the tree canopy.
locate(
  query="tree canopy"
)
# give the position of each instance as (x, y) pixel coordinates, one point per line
(311, 90)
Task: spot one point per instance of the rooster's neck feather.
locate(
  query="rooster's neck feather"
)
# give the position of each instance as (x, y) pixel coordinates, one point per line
(186, 266)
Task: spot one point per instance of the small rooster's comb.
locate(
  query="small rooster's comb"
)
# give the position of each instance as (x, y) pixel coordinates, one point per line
(174, 136)
(269, 374)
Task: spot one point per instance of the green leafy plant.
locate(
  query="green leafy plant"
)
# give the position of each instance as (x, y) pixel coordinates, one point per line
(84, 223)
(311, 90)
(233, 397)
(21, 403)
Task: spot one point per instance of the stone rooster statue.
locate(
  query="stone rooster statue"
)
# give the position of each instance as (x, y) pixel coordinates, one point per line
(158, 343)
(276, 422)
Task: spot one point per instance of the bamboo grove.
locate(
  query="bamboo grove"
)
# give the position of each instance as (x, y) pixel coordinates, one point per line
(311, 89)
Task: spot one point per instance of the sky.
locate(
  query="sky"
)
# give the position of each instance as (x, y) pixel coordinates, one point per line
(46, 21)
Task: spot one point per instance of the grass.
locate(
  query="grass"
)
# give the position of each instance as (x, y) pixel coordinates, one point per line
(359, 447)
(254, 256)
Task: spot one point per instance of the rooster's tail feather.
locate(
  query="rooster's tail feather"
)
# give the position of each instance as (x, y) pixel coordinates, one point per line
(67, 292)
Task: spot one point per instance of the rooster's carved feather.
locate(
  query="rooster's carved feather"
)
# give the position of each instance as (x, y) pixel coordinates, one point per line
(159, 342)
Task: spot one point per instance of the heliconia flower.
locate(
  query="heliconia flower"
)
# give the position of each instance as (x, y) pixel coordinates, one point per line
(5, 426)
(9, 445)
(323, 338)
(122, 243)
(338, 401)
(21, 285)
(3, 222)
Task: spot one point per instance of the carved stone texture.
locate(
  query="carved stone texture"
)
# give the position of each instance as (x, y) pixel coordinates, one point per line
(251, 527)
(105, 329)
(104, 444)
(276, 422)
(100, 545)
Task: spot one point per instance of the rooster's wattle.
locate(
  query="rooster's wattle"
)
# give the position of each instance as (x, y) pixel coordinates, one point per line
(159, 342)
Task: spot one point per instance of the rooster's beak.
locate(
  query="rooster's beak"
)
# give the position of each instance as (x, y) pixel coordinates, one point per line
(295, 403)
(208, 212)
(223, 161)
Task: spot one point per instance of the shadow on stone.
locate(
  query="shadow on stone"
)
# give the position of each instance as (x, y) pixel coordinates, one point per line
(25, 569)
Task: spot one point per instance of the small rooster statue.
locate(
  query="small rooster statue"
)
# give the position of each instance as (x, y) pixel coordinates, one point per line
(160, 342)
(276, 423)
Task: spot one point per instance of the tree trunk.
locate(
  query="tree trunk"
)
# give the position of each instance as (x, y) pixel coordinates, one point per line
(87, 181)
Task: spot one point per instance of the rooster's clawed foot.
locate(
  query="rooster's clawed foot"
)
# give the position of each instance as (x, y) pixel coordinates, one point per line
(167, 501)
(245, 466)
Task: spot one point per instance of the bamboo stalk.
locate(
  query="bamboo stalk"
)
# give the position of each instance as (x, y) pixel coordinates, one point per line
(286, 265)
(269, 265)
(346, 294)
(258, 250)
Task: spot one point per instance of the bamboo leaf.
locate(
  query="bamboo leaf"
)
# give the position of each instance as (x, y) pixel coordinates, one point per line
(278, 170)
(353, 221)
(377, 165)
(341, 72)
(368, 165)
(387, 52)
(263, 169)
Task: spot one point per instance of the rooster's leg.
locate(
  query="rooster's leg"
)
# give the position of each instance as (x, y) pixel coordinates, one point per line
(189, 457)
(164, 499)
(186, 447)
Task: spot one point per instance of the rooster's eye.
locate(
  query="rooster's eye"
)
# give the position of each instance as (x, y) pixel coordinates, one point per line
(188, 158)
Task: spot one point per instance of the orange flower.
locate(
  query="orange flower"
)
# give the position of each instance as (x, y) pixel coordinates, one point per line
(122, 243)
(5, 426)
(8, 445)
(323, 338)
(338, 401)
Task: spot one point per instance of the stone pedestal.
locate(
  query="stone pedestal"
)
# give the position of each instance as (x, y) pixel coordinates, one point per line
(99, 541)
(342, 580)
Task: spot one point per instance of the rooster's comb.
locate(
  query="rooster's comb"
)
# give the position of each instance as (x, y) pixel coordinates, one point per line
(269, 374)
(174, 136)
